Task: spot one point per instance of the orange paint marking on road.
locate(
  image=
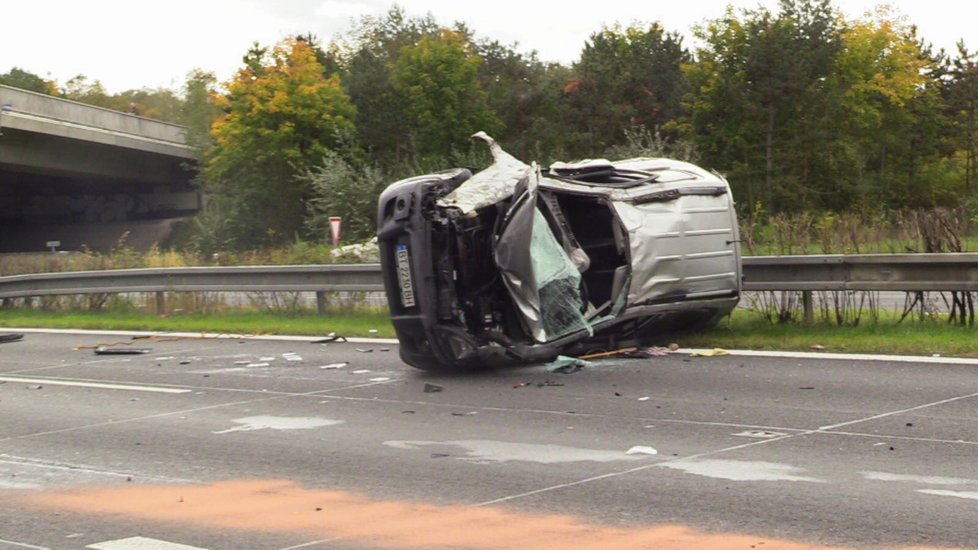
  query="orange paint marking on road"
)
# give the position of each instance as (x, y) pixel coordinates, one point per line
(283, 507)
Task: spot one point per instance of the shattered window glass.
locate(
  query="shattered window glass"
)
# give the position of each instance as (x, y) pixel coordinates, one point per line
(558, 283)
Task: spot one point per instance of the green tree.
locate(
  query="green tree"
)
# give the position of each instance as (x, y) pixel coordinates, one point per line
(199, 110)
(888, 111)
(78, 88)
(962, 101)
(281, 116)
(25, 80)
(345, 188)
(759, 104)
(526, 95)
(370, 52)
(438, 82)
(626, 78)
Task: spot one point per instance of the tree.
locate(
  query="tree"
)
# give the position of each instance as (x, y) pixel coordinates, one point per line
(78, 88)
(438, 82)
(281, 116)
(626, 78)
(962, 100)
(759, 105)
(371, 51)
(199, 110)
(888, 111)
(526, 95)
(25, 80)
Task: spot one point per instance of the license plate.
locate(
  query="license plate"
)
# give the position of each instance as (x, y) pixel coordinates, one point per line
(404, 275)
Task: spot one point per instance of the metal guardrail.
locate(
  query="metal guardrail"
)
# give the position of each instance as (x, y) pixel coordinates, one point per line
(872, 272)
(273, 278)
(863, 272)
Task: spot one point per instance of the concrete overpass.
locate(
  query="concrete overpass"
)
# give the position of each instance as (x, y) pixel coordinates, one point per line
(85, 176)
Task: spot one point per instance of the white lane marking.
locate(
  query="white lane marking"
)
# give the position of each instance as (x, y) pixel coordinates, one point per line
(846, 356)
(99, 385)
(18, 485)
(970, 495)
(279, 423)
(311, 543)
(482, 451)
(198, 335)
(741, 470)
(893, 413)
(23, 545)
(758, 434)
(925, 480)
(141, 543)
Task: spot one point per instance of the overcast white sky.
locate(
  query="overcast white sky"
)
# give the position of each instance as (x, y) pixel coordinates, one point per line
(130, 44)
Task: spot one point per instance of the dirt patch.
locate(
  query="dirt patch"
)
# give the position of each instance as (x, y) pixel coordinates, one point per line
(282, 506)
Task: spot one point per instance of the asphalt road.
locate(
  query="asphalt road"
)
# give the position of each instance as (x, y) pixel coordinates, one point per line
(241, 443)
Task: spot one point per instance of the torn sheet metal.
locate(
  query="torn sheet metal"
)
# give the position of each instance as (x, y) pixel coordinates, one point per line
(490, 186)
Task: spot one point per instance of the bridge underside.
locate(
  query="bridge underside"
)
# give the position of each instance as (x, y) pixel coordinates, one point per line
(87, 194)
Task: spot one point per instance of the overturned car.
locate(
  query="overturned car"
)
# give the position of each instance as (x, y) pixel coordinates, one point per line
(517, 264)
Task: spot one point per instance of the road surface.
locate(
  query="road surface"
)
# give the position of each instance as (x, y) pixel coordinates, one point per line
(247, 443)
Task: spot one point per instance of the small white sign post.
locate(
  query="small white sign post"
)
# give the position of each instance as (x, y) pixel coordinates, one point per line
(334, 228)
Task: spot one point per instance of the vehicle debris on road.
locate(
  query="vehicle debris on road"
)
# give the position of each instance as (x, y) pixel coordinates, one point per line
(121, 351)
(7, 338)
(567, 365)
(715, 352)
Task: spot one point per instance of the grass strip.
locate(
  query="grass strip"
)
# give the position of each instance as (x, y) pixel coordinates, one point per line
(359, 323)
(743, 330)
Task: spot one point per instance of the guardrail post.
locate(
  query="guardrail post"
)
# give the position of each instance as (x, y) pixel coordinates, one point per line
(809, 307)
(160, 303)
(321, 302)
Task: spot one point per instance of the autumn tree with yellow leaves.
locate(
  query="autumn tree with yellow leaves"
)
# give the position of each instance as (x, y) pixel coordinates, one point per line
(281, 116)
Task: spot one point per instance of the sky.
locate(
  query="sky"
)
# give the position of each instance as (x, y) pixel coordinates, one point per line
(130, 45)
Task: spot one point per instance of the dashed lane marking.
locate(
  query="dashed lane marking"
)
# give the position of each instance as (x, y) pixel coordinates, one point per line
(99, 385)
(141, 543)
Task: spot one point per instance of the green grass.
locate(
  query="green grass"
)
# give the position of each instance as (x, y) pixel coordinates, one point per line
(744, 330)
(359, 323)
(747, 330)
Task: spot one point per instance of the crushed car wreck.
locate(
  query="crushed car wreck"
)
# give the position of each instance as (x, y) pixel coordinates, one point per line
(517, 264)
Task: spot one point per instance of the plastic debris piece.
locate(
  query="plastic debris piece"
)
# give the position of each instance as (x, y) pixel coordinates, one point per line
(242, 362)
(470, 413)
(271, 358)
(372, 331)
(10, 337)
(644, 398)
(334, 365)
(365, 350)
(361, 371)
(715, 352)
(253, 365)
(380, 379)
(817, 346)
(432, 388)
(641, 450)
(35, 387)
(566, 365)
(293, 357)
(385, 349)
(122, 351)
